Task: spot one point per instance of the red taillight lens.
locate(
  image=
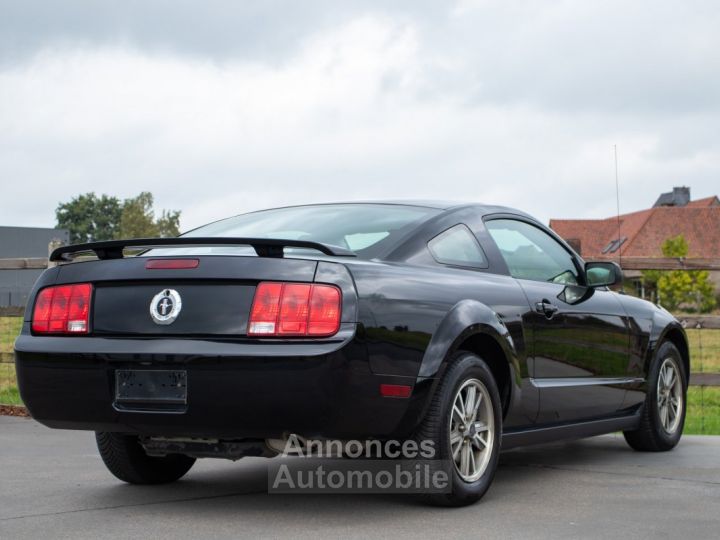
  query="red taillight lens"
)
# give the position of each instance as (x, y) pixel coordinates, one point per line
(295, 309)
(265, 309)
(41, 313)
(324, 317)
(63, 310)
(293, 319)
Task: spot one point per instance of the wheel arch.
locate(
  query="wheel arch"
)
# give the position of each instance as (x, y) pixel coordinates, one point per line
(474, 327)
(675, 334)
(487, 347)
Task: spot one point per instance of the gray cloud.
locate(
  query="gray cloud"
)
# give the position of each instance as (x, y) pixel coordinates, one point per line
(218, 29)
(234, 106)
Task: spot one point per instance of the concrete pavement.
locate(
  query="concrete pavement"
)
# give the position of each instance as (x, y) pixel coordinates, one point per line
(53, 485)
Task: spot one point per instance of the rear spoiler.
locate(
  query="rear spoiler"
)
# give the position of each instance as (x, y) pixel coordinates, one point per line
(264, 247)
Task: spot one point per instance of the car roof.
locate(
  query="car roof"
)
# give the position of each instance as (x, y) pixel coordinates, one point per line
(483, 209)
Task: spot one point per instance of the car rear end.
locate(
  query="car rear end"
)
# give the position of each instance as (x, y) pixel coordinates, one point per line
(258, 347)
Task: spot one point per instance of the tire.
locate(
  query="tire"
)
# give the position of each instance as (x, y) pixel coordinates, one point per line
(126, 459)
(658, 431)
(466, 370)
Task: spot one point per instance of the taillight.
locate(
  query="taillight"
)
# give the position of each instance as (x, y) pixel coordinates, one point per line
(64, 309)
(295, 309)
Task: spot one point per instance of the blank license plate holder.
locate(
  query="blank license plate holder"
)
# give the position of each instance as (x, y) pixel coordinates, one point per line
(135, 386)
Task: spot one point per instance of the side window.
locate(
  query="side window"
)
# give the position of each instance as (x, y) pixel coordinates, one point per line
(531, 253)
(457, 246)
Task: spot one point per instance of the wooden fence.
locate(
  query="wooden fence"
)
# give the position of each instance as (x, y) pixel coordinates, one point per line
(700, 321)
(36, 263)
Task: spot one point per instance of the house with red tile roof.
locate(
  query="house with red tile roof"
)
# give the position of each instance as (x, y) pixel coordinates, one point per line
(642, 233)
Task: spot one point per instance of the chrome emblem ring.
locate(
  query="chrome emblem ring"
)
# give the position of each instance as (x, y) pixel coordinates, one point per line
(165, 306)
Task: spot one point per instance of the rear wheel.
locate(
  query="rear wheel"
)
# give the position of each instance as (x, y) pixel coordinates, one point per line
(125, 457)
(464, 422)
(663, 416)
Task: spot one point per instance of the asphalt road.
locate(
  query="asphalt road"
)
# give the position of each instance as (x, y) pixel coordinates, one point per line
(53, 485)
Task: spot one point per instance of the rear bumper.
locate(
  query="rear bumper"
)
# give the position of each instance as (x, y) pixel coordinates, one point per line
(235, 390)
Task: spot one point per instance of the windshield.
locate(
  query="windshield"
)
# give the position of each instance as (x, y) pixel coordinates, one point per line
(358, 227)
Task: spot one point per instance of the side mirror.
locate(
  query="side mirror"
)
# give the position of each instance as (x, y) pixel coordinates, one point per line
(603, 274)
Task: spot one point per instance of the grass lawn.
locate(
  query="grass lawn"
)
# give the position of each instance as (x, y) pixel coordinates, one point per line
(9, 330)
(704, 350)
(703, 414)
(9, 394)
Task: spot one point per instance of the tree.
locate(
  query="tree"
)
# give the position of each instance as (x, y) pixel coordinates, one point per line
(89, 218)
(138, 219)
(168, 224)
(690, 289)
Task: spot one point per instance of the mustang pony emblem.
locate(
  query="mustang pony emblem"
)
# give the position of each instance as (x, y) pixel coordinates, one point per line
(165, 306)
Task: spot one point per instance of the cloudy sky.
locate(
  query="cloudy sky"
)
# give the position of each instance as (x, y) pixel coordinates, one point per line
(220, 107)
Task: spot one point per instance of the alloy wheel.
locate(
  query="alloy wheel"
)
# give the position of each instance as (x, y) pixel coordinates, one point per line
(669, 396)
(472, 430)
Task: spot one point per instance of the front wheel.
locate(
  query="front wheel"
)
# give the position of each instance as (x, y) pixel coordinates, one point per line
(464, 422)
(663, 415)
(125, 457)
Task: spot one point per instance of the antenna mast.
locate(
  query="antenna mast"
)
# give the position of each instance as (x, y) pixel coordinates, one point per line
(617, 200)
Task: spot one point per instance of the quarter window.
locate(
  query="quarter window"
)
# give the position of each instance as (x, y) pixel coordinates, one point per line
(531, 253)
(457, 246)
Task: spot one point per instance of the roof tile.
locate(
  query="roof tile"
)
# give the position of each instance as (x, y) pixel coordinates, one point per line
(646, 230)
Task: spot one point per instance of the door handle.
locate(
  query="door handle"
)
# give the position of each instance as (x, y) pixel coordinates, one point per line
(546, 308)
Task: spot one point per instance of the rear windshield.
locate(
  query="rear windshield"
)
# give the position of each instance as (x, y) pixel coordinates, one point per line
(361, 228)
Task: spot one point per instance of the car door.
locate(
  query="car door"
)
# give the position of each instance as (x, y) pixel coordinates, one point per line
(580, 345)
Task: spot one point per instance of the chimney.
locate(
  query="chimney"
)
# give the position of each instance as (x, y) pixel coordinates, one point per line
(679, 196)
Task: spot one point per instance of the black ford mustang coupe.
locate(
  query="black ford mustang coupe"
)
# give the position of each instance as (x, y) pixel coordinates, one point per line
(474, 327)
